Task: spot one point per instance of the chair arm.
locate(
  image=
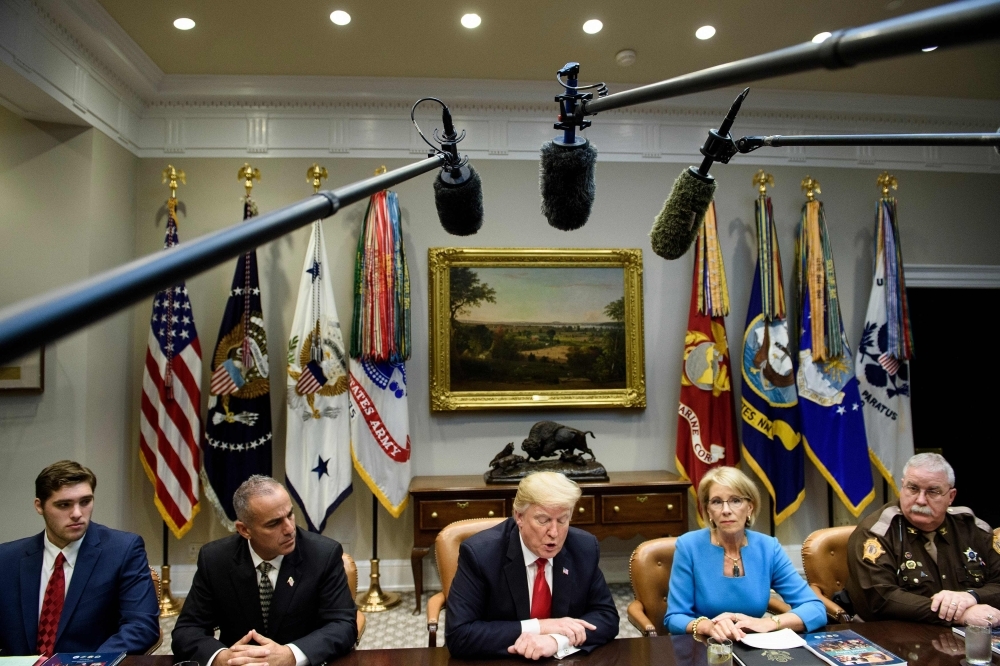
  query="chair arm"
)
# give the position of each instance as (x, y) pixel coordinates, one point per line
(361, 627)
(834, 612)
(637, 616)
(434, 606)
(776, 605)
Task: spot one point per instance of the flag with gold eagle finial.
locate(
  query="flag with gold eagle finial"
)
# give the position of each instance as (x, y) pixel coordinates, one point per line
(706, 428)
(317, 453)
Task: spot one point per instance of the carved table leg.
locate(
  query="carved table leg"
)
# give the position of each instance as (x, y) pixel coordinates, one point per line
(417, 562)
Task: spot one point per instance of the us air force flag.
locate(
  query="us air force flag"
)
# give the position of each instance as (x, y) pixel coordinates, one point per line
(237, 442)
(317, 454)
(882, 368)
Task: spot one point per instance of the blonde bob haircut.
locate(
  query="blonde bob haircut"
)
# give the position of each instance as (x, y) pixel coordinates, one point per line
(548, 489)
(735, 480)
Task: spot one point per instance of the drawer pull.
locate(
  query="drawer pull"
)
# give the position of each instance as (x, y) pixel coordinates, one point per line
(490, 514)
(617, 509)
(462, 505)
(581, 510)
(641, 498)
(434, 514)
(670, 507)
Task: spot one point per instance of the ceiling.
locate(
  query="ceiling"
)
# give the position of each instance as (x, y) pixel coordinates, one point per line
(531, 39)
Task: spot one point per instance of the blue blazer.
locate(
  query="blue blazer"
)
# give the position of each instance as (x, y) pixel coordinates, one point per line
(110, 605)
(697, 586)
(489, 596)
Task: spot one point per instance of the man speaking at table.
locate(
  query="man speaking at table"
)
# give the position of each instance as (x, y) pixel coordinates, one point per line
(277, 594)
(921, 559)
(531, 586)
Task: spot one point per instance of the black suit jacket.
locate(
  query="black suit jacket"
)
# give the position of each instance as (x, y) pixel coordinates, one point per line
(110, 605)
(489, 596)
(311, 607)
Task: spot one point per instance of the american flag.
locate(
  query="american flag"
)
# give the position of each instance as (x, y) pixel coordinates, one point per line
(889, 363)
(170, 423)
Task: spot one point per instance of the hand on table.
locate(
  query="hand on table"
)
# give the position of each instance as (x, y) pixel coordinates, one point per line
(979, 614)
(951, 604)
(724, 626)
(534, 646)
(570, 627)
(241, 653)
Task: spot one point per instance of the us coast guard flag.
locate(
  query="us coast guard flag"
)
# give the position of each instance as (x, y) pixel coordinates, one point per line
(317, 454)
(882, 367)
(771, 442)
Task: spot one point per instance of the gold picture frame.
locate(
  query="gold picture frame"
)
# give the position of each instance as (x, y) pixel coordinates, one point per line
(529, 363)
(25, 375)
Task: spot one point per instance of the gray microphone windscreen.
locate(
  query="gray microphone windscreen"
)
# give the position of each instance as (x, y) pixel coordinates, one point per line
(459, 202)
(677, 225)
(566, 177)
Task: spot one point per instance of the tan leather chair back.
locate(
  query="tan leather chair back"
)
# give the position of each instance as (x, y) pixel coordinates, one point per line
(449, 540)
(156, 584)
(824, 558)
(649, 570)
(351, 569)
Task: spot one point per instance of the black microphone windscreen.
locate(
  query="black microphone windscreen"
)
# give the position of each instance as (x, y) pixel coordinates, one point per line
(677, 225)
(567, 182)
(459, 204)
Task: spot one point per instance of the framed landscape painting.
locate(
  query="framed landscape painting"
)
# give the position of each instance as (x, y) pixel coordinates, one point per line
(536, 328)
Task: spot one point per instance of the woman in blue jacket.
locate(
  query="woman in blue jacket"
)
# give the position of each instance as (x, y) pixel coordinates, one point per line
(722, 576)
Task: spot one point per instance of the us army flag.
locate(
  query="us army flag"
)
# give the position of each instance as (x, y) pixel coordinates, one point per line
(317, 453)
(883, 367)
(771, 442)
(833, 427)
(706, 428)
(380, 342)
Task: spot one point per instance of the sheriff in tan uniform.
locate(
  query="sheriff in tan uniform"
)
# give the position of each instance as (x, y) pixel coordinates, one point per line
(923, 560)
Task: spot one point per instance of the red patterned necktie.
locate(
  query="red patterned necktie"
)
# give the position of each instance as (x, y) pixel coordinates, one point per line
(541, 597)
(48, 621)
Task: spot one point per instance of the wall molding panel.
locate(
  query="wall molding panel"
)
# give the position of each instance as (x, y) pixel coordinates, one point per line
(945, 276)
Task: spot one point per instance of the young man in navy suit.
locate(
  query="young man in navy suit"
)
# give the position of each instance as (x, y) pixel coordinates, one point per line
(100, 597)
(531, 586)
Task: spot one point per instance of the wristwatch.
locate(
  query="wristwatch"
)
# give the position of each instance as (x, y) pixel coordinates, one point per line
(975, 595)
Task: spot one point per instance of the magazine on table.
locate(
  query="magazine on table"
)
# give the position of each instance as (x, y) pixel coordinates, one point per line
(847, 648)
(85, 659)
(996, 636)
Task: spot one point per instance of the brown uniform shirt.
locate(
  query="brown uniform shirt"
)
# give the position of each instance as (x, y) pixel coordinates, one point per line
(893, 578)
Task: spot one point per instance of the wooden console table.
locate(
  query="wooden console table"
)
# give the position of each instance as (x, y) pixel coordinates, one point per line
(653, 504)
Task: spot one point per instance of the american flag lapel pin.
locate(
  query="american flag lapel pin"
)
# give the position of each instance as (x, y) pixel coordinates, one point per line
(291, 581)
(565, 571)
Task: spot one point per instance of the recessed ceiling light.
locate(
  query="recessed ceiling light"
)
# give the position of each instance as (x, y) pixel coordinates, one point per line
(340, 17)
(183, 24)
(592, 27)
(705, 32)
(822, 37)
(625, 58)
(928, 49)
(471, 21)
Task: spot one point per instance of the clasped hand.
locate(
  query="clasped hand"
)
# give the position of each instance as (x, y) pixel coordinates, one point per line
(542, 644)
(733, 626)
(950, 605)
(265, 653)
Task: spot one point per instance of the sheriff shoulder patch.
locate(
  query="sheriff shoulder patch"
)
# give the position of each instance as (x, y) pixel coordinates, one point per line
(872, 550)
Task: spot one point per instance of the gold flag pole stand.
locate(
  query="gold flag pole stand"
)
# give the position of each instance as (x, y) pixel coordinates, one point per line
(169, 606)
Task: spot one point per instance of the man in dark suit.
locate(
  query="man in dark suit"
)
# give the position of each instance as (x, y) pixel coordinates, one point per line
(277, 594)
(531, 585)
(78, 586)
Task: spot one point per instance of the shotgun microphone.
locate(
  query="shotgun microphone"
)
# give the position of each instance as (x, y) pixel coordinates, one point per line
(458, 190)
(677, 225)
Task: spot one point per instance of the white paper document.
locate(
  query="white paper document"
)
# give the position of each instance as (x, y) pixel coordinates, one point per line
(783, 639)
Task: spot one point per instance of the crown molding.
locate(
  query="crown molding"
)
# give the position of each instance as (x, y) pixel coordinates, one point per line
(952, 276)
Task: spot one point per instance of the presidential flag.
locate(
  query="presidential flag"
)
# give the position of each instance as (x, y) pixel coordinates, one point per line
(317, 450)
(883, 367)
(170, 419)
(771, 441)
(380, 345)
(833, 426)
(237, 442)
(706, 428)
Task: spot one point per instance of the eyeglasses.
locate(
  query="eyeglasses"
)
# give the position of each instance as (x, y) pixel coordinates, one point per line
(735, 503)
(932, 493)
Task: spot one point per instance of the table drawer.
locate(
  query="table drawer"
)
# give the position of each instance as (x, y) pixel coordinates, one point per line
(436, 514)
(583, 513)
(641, 508)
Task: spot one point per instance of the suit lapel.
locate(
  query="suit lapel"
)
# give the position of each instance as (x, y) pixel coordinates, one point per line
(283, 592)
(516, 576)
(561, 584)
(86, 561)
(31, 580)
(244, 579)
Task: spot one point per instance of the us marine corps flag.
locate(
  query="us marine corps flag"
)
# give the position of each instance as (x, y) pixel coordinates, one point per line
(317, 454)
(833, 427)
(771, 442)
(237, 442)
(380, 345)
(706, 428)
(883, 366)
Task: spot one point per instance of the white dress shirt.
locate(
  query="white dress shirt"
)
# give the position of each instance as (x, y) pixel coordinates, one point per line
(300, 658)
(533, 626)
(49, 555)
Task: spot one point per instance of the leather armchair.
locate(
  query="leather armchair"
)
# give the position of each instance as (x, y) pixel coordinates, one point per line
(351, 569)
(824, 558)
(649, 571)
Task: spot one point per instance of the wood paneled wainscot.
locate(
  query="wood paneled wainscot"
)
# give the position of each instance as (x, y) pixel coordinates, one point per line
(650, 504)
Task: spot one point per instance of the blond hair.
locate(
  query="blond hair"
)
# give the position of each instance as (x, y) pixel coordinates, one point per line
(549, 489)
(732, 478)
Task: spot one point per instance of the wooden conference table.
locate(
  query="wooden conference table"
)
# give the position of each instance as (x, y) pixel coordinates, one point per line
(919, 644)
